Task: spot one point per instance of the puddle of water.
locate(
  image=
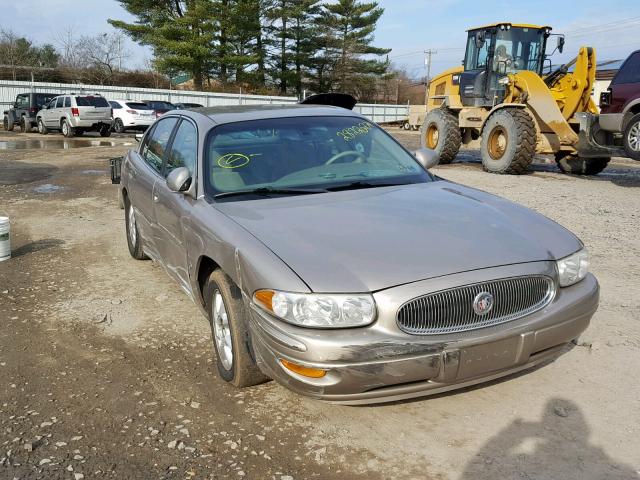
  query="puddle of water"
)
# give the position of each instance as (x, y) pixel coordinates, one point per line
(47, 188)
(53, 144)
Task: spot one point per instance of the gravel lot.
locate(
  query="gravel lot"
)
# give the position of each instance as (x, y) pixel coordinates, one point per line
(107, 368)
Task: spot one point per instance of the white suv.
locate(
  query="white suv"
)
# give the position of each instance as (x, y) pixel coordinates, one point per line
(130, 114)
(75, 114)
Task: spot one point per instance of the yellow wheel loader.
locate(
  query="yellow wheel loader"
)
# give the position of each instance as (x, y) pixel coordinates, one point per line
(501, 102)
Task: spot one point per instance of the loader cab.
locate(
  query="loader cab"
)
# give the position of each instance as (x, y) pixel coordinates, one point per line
(493, 52)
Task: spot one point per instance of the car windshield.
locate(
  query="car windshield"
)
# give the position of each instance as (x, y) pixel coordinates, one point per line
(157, 105)
(305, 152)
(91, 102)
(138, 106)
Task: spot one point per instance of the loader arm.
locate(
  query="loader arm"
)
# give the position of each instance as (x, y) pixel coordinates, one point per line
(527, 87)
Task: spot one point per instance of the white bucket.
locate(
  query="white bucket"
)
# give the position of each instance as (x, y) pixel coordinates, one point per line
(5, 242)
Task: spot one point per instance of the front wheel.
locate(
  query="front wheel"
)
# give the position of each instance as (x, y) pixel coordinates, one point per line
(118, 126)
(574, 165)
(508, 142)
(134, 241)
(632, 137)
(42, 128)
(5, 123)
(229, 331)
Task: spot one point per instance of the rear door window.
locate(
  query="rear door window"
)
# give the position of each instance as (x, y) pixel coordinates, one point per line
(183, 149)
(90, 101)
(153, 152)
(22, 101)
(630, 71)
(138, 106)
(60, 102)
(67, 102)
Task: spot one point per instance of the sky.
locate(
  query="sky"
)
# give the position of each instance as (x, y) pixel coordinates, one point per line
(408, 26)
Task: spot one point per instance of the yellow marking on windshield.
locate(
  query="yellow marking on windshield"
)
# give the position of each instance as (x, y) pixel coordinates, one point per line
(235, 160)
(350, 133)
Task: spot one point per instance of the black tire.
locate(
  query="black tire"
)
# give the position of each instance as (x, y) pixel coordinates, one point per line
(42, 128)
(440, 132)
(67, 130)
(105, 131)
(25, 125)
(406, 126)
(508, 142)
(632, 137)
(118, 126)
(135, 243)
(575, 165)
(242, 371)
(5, 123)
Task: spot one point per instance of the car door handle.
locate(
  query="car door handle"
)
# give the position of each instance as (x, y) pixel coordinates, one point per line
(156, 199)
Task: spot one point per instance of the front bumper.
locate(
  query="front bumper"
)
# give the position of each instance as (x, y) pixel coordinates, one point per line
(380, 363)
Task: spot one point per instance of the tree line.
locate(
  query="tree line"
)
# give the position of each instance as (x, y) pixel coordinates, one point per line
(286, 45)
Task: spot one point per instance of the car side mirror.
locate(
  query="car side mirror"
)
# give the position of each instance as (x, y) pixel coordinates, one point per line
(179, 180)
(560, 44)
(427, 158)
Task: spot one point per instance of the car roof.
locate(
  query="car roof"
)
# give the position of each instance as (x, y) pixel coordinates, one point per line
(241, 113)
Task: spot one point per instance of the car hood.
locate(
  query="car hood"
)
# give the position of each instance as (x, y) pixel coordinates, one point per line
(370, 239)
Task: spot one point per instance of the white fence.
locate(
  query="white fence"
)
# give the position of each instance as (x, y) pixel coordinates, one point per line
(9, 89)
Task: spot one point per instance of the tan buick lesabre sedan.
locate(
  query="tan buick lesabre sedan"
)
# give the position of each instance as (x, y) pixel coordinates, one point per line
(328, 258)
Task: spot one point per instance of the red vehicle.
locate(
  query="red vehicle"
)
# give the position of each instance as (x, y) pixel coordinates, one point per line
(620, 105)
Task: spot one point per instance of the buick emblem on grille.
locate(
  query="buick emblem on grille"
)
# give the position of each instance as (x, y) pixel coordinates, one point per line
(483, 303)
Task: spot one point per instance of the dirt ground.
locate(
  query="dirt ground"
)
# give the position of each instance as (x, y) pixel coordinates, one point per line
(107, 371)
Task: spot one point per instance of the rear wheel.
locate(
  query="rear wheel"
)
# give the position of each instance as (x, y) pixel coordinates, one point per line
(105, 131)
(575, 165)
(42, 128)
(632, 137)
(67, 130)
(134, 241)
(25, 125)
(228, 328)
(440, 132)
(508, 142)
(5, 123)
(406, 126)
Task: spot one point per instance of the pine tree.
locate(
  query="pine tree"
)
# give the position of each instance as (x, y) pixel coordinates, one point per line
(181, 33)
(347, 27)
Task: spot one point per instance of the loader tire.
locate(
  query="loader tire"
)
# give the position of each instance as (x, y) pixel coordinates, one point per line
(440, 132)
(575, 165)
(508, 142)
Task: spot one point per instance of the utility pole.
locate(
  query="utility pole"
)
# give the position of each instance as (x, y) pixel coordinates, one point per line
(427, 62)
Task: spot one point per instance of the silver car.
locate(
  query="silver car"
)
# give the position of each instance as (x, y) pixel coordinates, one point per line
(76, 114)
(328, 258)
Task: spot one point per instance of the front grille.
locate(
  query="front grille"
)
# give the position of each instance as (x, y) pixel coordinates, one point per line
(451, 311)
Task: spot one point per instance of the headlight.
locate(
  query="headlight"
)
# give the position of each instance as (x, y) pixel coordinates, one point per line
(573, 268)
(504, 81)
(318, 310)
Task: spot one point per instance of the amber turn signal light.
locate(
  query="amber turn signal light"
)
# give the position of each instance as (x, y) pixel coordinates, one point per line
(302, 370)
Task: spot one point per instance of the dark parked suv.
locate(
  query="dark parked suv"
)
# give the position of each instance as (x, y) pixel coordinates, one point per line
(24, 109)
(620, 105)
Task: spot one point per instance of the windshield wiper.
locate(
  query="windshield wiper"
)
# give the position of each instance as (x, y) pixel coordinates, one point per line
(266, 191)
(360, 184)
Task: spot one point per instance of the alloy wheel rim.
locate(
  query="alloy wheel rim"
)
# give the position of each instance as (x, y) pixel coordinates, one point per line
(133, 235)
(222, 331)
(497, 144)
(634, 137)
(40, 126)
(65, 128)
